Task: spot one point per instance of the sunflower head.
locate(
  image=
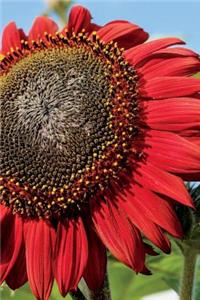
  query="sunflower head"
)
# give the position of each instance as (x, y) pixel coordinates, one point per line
(68, 124)
(99, 128)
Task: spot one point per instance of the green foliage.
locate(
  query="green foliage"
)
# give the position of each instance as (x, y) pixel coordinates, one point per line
(60, 8)
(166, 271)
(24, 293)
(197, 75)
(21, 294)
(127, 285)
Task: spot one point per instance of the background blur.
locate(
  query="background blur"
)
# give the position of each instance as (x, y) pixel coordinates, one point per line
(159, 18)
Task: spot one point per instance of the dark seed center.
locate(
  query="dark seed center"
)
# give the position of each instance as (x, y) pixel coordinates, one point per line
(54, 116)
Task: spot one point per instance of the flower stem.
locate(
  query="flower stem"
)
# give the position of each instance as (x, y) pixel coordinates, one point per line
(85, 294)
(188, 276)
(77, 295)
(104, 293)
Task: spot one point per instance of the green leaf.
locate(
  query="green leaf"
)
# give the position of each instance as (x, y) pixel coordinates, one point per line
(126, 285)
(197, 75)
(24, 293)
(173, 283)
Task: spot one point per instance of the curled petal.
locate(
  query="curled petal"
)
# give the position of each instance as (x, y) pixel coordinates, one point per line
(174, 153)
(94, 276)
(182, 66)
(11, 242)
(124, 33)
(170, 115)
(40, 242)
(169, 87)
(164, 183)
(41, 26)
(11, 38)
(143, 217)
(79, 18)
(137, 54)
(174, 52)
(120, 237)
(18, 275)
(71, 254)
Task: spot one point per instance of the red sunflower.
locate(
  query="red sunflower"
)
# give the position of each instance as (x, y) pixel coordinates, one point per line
(98, 132)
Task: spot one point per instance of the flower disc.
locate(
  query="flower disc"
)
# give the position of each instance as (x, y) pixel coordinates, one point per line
(56, 118)
(61, 125)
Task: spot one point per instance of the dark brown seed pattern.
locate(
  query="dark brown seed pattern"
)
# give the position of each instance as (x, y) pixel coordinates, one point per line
(68, 115)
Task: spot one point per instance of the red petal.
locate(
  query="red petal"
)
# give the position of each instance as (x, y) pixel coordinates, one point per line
(22, 34)
(40, 26)
(71, 254)
(40, 241)
(191, 177)
(120, 237)
(7, 230)
(146, 271)
(161, 182)
(18, 276)
(93, 27)
(94, 276)
(5, 212)
(143, 216)
(169, 87)
(79, 18)
(11, 241)
(154, 208)
(149, 250)
(11, 37)
(124, 33)
(7, 241)
(195, 139)
(175, 52)
(137, 54)
(170, 67)
(172, 152)
(177, 114)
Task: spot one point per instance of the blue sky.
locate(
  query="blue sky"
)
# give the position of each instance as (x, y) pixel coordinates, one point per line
(159, 18)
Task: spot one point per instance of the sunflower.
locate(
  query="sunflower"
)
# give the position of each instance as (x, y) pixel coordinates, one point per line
(99, 128)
